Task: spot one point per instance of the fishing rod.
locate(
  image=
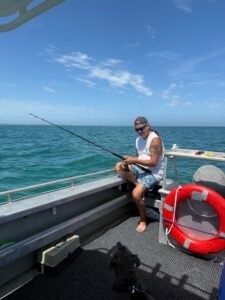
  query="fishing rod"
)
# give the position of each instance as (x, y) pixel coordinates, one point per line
(81, 137)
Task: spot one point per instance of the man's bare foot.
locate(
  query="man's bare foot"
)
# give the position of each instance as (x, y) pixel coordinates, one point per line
(142, 225)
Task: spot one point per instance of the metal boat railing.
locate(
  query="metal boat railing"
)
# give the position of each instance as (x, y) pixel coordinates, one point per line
(70, 180)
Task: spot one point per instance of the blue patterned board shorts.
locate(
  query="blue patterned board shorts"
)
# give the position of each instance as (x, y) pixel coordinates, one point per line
(144, 177)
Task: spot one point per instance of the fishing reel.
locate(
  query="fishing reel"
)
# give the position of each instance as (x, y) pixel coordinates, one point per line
(124, 167)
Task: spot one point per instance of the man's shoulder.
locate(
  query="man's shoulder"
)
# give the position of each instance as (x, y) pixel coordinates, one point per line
(154, 134)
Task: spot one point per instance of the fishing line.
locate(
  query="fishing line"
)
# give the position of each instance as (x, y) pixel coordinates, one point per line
(81, 137)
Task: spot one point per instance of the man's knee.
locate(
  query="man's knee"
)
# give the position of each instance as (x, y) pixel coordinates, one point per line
(117, 167)
(137, 194)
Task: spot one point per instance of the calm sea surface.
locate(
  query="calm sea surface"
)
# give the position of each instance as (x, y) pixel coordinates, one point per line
(37, 154)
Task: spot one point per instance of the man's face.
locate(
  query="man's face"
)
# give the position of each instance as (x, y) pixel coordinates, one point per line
(142, 129)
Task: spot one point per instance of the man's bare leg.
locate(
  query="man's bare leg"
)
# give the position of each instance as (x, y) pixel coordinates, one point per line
(138, 195)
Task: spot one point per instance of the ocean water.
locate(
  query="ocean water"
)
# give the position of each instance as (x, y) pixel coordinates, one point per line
(37, 154)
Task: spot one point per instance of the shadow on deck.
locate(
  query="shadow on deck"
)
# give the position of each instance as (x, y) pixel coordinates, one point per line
(166, 272)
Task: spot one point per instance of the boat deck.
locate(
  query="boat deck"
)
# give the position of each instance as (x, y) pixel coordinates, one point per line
(166, 272)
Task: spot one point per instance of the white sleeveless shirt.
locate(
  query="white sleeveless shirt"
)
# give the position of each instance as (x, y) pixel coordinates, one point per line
(143, 147)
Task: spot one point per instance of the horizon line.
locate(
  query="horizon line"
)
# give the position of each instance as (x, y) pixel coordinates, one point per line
(102, 125)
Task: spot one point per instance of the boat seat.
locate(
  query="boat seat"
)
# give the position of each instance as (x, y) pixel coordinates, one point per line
(153, 202)
(154, 193)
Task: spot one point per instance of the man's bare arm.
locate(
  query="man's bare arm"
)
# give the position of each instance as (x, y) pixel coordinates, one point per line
(155, 151)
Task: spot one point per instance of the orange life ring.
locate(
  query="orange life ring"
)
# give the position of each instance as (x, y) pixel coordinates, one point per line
(201, 193)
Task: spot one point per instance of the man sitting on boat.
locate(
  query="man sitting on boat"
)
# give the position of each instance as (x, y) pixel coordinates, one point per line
(145, 170)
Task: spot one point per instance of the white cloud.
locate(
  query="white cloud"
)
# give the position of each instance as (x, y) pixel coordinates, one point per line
(174, 101)
(184, 5)
(108, 70)
(193, 68)
(111, 62)
(49, 89)
(122, 79)
(166, 94)
(166, 55)
(75, 60)
(213, 82)
(86, 81)
(171, 95)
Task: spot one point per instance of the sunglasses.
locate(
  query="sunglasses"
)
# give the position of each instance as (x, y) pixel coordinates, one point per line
(140, 129)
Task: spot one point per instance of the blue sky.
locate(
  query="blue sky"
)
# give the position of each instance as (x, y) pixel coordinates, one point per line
(93, 62)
